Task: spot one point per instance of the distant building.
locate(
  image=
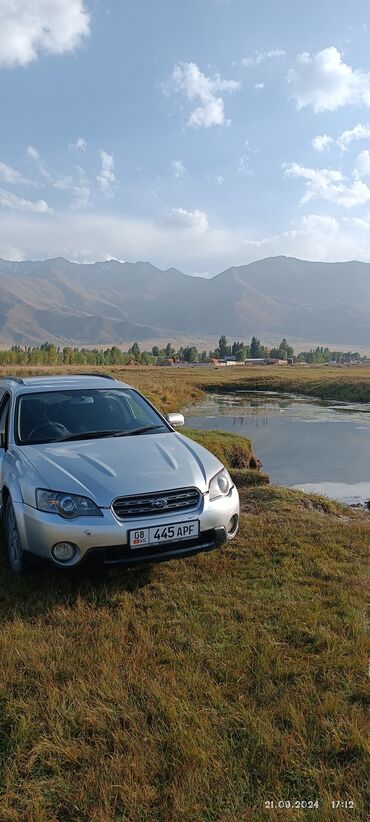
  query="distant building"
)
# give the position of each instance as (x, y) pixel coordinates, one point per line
(280, 362)
(257, 361)
(230, 360)
(265, 361)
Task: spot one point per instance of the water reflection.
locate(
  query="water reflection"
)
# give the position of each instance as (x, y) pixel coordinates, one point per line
(300, 441)
(249, 419)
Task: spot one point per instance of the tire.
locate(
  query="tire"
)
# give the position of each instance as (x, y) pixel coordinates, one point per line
(13, 541)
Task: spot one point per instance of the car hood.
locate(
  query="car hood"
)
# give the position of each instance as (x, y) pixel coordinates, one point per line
(108, 468)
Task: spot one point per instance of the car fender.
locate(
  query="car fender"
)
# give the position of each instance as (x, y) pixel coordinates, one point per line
(14, 488)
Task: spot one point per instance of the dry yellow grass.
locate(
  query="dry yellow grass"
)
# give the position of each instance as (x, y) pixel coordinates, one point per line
(170, 388)
(327, 382)
(197, 690)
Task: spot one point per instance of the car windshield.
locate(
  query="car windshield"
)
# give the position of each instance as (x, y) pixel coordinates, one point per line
(58, 416)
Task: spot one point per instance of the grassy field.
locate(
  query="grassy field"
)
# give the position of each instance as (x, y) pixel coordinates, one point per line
(170, 388)
(198, 690)
(333, 383)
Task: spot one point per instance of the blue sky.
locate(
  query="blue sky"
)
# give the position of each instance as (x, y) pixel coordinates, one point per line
(197, 134)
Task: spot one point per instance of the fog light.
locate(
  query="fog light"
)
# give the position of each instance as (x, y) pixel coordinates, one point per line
(233, 525)
(63, 551)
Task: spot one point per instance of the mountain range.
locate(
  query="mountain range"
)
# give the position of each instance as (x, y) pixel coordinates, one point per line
(110, 302)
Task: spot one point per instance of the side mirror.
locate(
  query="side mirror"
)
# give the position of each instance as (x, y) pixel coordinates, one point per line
(176, 420)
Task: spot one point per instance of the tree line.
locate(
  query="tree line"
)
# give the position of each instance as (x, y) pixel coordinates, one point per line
(50, 354)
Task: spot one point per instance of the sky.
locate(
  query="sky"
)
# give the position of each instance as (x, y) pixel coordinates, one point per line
(198, 134)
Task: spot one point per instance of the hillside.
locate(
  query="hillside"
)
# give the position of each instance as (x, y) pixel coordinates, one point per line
(112, 302)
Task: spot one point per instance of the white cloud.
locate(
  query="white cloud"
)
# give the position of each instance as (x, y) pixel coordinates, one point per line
(10, 200)
(259, 86)
(80, 189)
(362, 167)
(79, 145)
(218, 178)
(319, 237)
(261, 56)
(89, 237)
(325, 82)
(34, 155)
(321, 223)
(107, 179)
(360, 131)
(201, 91)
(243, 166)
(178, 169)
(322, 142)
(8, 252)
(63, 183)
(244, 161)
(11, 175)
(195, 221)
(28, 29)
(81, 196)
(78, 185)
(329, 184)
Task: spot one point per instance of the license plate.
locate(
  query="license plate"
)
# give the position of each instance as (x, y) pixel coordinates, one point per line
(164, 533)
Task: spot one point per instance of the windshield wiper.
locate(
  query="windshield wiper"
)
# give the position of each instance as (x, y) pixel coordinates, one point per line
(88, 435)
(92, 435)
(141, 430)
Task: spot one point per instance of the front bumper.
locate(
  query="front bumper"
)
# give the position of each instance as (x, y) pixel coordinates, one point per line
(124, 555)
(107, 537)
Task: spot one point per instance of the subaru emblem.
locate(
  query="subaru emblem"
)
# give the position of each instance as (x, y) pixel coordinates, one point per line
(159, 503)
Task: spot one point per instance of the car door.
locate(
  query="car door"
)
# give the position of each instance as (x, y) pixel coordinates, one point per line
(4, 419)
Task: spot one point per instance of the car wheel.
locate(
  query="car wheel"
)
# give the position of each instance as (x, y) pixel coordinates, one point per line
(13, 540)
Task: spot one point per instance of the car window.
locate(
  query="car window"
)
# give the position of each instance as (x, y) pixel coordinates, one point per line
(138, 408)
(4, 416)
(54, 415)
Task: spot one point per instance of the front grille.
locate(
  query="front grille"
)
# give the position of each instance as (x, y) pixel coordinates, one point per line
(182, 499)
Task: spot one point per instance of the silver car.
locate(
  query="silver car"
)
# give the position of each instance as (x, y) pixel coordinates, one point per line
(90, 469)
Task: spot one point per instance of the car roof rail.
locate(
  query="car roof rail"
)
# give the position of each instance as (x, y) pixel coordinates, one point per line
(93, 374)
(14, 379)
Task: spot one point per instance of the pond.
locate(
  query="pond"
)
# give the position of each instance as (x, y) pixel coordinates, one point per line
(315, 445)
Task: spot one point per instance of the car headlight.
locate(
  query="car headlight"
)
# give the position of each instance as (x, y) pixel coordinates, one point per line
(66, 505)
(220, 485)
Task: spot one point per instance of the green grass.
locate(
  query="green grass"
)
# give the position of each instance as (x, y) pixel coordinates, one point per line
(234, 452)
(333, 383)
(171, 388)
(196, 690)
